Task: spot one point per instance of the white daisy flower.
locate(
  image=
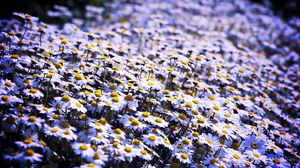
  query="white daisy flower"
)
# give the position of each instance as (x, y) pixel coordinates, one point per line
(31, 156)
(83, 149)
(183, 157)
(152, 140)
(34, 93)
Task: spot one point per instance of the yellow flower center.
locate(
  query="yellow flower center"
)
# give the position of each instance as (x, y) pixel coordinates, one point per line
(158, 120)
(66, 98)
(29, 152)
(213, 161)
(195, 134)
(236, 156)
(195, 101)
(182, 116)
(256, 155)
(217, 108)
(94, 104)
(114, 94)
(116, 99)
(146, 114)
(97, 156)
(118, 131)
(152, 138)
(225, 131)
(78, 104)
(227, 115)
(144, 152)
(67, 132)
(186, 141)
(32, 119)
(98, 93)
(209, 142)
(27, 141)
(112, 86)
(150, 83)
(43, 143)
(135, 122)
(33, 90)
(83, 147)
(56, 116)
(201, 120)
(128, 97)
(79, 76)
(184, 156)
(15, 56)
(137, 142)
(166, 92)
(8, 84)
(58, 65)
(254, 145)
(128, 149)
(55, 129)
(189, 105)
(5, 98)
(211, 97)
(167, 142)
(236, 98)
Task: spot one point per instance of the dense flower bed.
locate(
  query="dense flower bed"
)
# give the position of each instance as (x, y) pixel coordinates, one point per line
(153, 83)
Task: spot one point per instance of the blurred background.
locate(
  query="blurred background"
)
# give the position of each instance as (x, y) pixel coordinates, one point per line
(284, 8)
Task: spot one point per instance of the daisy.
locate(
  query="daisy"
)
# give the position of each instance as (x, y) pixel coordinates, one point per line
(146, 116)
(144, 154)
(157, 121)
(45, 110)
(272, 146)
(152, 140)
(210, 140)
(235, 157)
(255, 143)
(7, 86)
(31, 156)
(10, 123)
(12, 156)
(118, 133)
(201, 121)
(256, 156)
(100, 139)
(86, 135)
(167, 144)
(212, 161)
(183, 157)
(9, 100)
(34, 122)
(131, 102)
(225, 130)
(52, 131)
(66, 101)
(79, 107)
(83, 149)
(129, 152)
(68, 134)
(135, 124)
(99, 158)
(34, 93)
(278, 162)
(28, 143)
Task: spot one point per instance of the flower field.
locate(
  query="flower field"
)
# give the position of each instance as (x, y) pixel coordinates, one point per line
(151, 83)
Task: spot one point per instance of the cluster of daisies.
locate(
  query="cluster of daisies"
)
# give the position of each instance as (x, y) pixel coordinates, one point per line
(151, 84)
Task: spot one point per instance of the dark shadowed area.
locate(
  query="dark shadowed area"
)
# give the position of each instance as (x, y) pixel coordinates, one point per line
(284, 8)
